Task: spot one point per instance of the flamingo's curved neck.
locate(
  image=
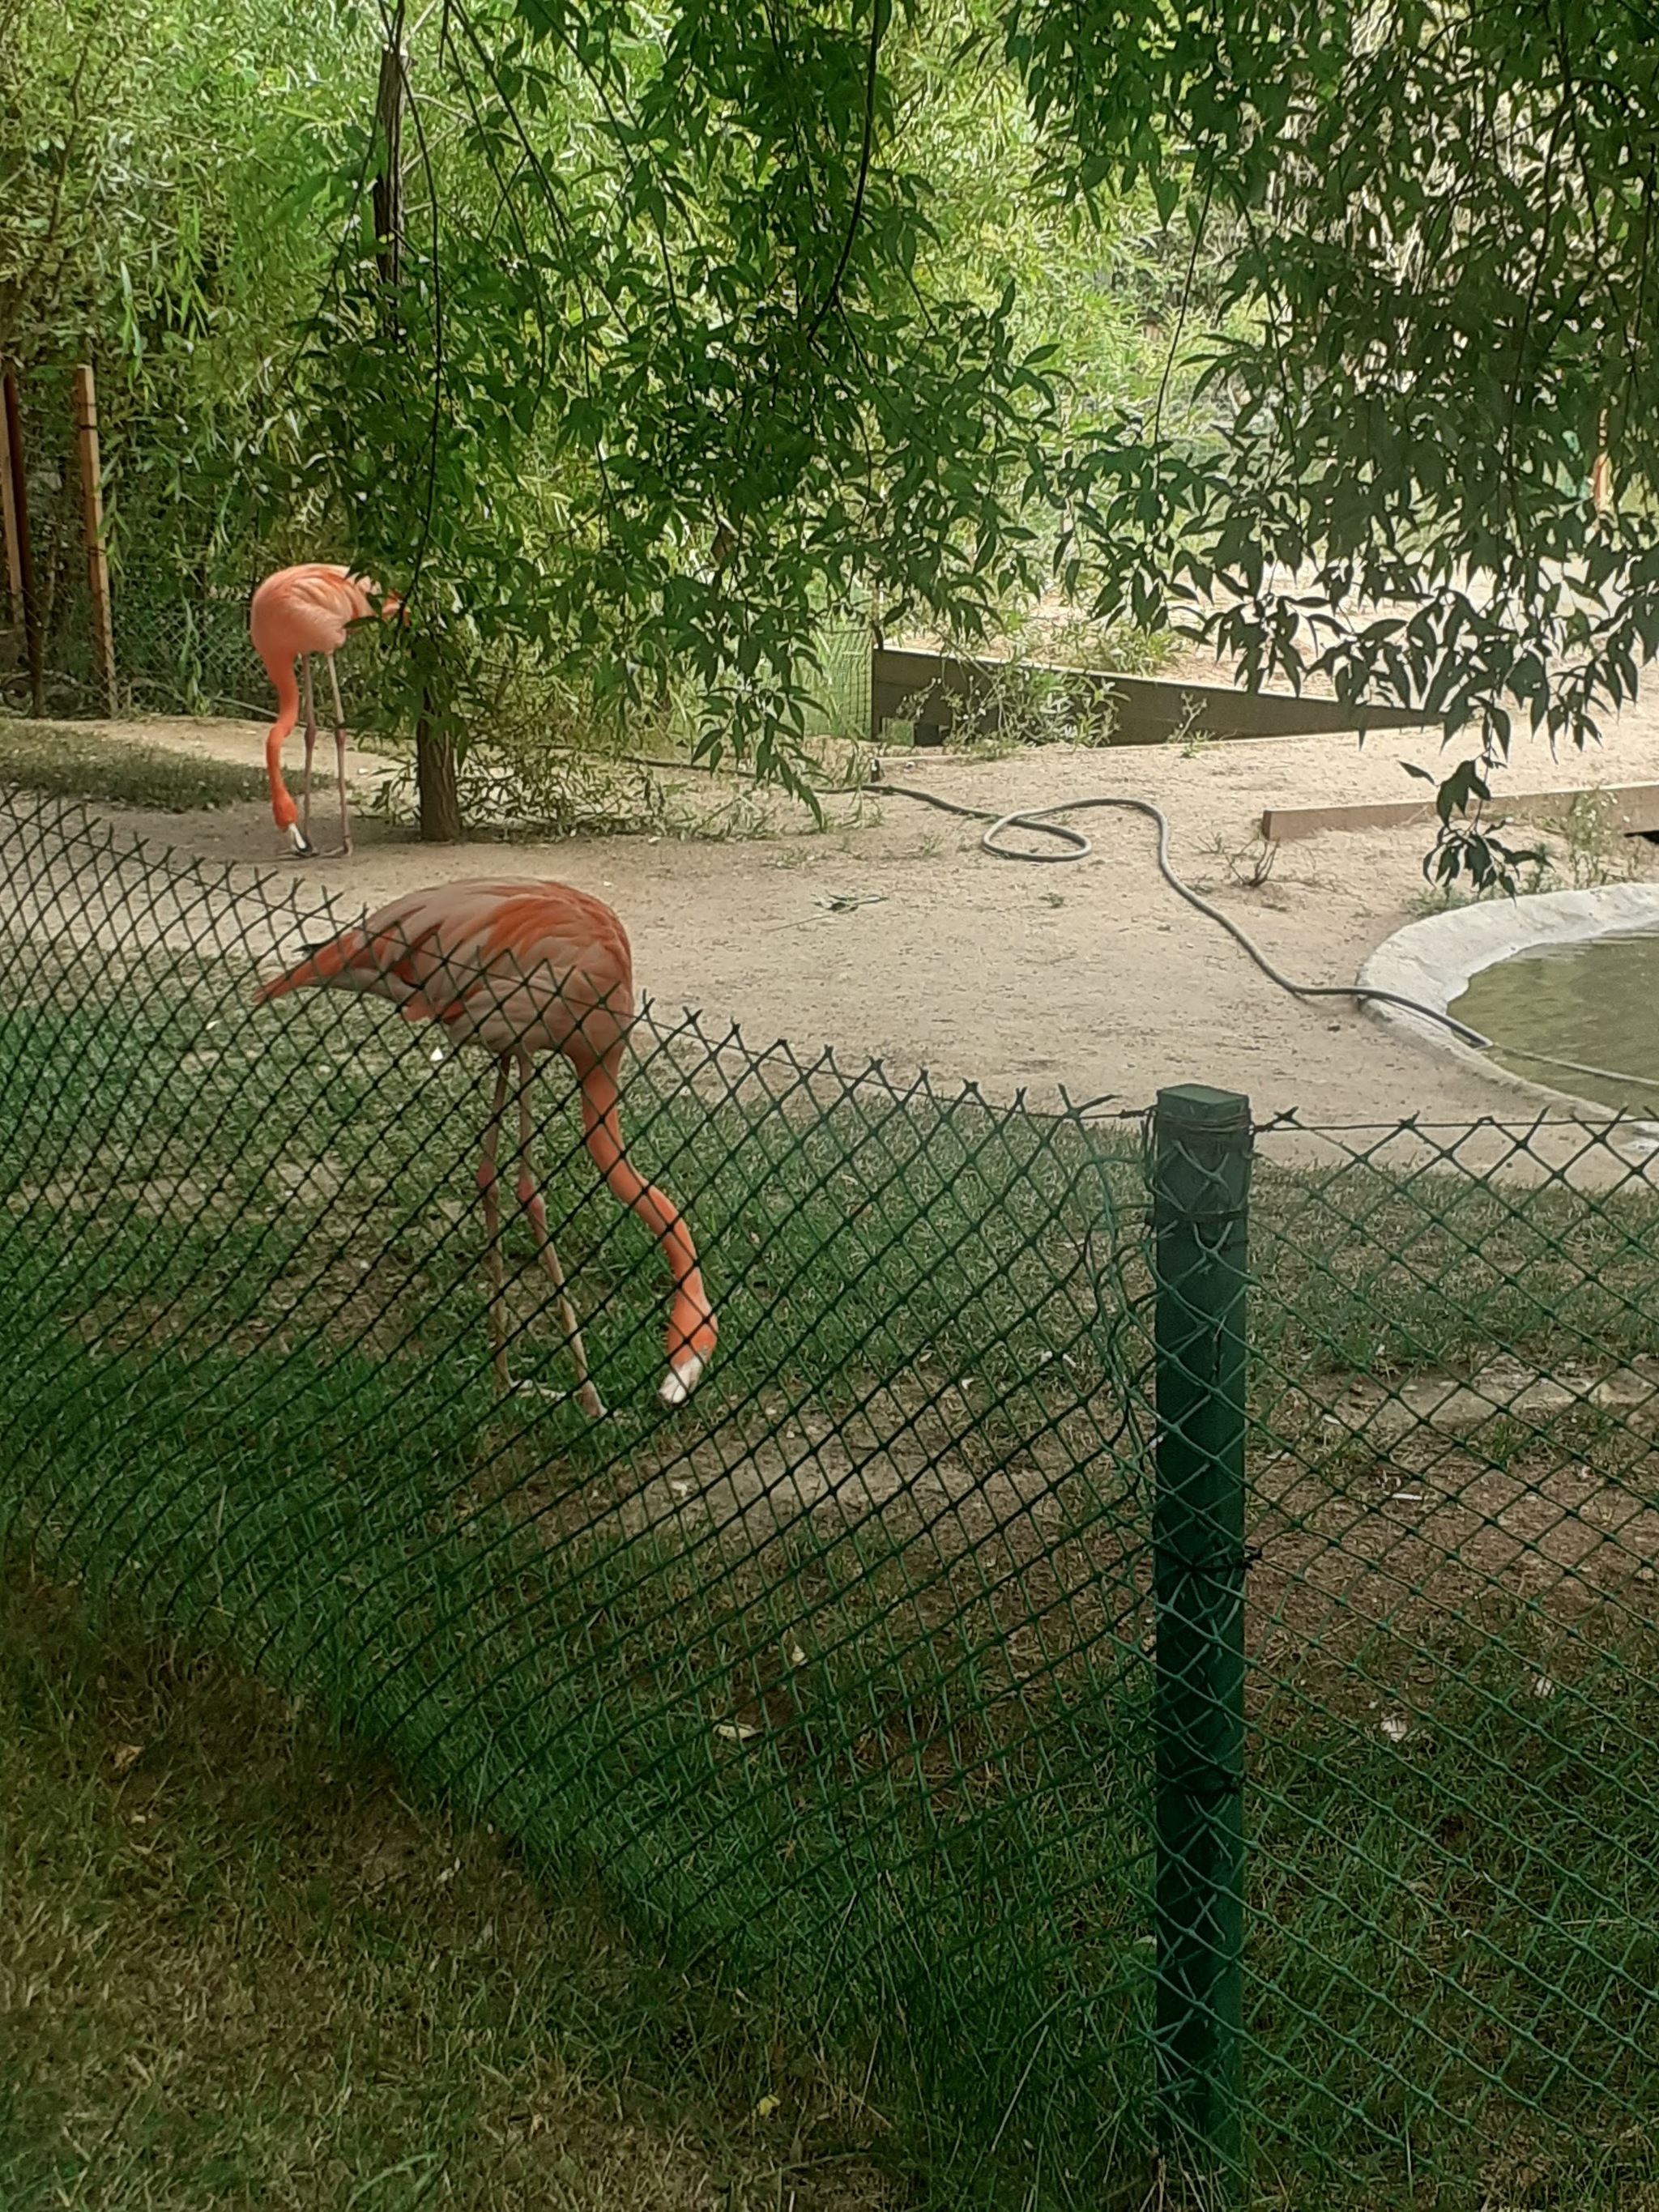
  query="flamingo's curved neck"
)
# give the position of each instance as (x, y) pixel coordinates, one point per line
(690, 1322)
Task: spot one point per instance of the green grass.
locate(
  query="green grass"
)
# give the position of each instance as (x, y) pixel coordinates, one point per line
(1369, 1270)
(62, 762)
(1451, 1947)
(886, 1773)
(239, 1967)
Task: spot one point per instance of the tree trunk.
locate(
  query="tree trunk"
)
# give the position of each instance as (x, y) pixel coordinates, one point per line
(434, 781)
(389, 169)
(438, 797)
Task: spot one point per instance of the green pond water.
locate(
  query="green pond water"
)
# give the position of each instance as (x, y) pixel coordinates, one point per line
(1596, 1003)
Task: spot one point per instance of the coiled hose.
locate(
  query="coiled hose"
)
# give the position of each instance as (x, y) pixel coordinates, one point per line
(1037, 821)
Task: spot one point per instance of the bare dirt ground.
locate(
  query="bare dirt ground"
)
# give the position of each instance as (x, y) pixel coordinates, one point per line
(894, 938)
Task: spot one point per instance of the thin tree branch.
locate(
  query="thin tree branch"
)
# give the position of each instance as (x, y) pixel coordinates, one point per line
(880, 11)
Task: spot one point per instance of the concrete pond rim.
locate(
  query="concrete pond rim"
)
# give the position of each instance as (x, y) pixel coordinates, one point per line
(1433, 961)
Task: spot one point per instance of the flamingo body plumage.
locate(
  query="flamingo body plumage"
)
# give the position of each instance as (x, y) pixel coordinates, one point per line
(295, 613)
(521, 968)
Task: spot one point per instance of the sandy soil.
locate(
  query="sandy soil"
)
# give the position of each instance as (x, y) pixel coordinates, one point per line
(896, 938)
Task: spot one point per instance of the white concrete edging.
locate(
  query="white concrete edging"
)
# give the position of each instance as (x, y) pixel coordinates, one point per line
(1432, 961)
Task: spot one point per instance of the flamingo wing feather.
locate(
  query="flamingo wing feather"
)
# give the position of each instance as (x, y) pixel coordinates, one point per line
(512, 966)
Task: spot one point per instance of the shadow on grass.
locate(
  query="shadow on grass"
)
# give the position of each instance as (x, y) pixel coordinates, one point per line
(238, 1968)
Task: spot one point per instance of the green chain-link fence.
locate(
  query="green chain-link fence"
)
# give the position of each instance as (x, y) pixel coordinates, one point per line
(1453, 1697)
(1110, 1745)
(185, 559)
(180, 585)
(183, 566)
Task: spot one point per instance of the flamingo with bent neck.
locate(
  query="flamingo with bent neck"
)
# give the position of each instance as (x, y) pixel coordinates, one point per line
(520, 969)
(295, 613)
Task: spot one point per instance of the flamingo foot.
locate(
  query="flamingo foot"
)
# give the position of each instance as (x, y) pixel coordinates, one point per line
(682, 1379)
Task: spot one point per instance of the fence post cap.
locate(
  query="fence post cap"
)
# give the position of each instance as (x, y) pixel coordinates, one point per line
(1200, 1106)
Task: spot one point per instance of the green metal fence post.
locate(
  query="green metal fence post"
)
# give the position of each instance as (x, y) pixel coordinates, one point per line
(1201, 1171)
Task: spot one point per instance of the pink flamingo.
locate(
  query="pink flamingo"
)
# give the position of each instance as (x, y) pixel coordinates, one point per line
(295, 613)
(521, 968)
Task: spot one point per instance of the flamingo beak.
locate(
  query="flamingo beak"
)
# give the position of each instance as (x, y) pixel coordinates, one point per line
(682, 1379)
(303, 850)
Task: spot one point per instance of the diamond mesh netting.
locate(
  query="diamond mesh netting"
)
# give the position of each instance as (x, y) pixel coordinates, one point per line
(868, 1675)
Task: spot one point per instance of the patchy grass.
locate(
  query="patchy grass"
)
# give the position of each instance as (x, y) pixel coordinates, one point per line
(68, 763)
(239, 1968)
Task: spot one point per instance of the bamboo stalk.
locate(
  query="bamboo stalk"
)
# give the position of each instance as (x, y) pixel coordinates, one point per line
(92, 510)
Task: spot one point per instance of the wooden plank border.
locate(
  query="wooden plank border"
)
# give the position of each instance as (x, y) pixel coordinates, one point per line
(930, 690)
(1634, 808)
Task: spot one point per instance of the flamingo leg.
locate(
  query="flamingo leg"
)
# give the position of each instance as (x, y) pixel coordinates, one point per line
(531, 1199)
(492, 1214)
(311, 746)
(339, 755)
